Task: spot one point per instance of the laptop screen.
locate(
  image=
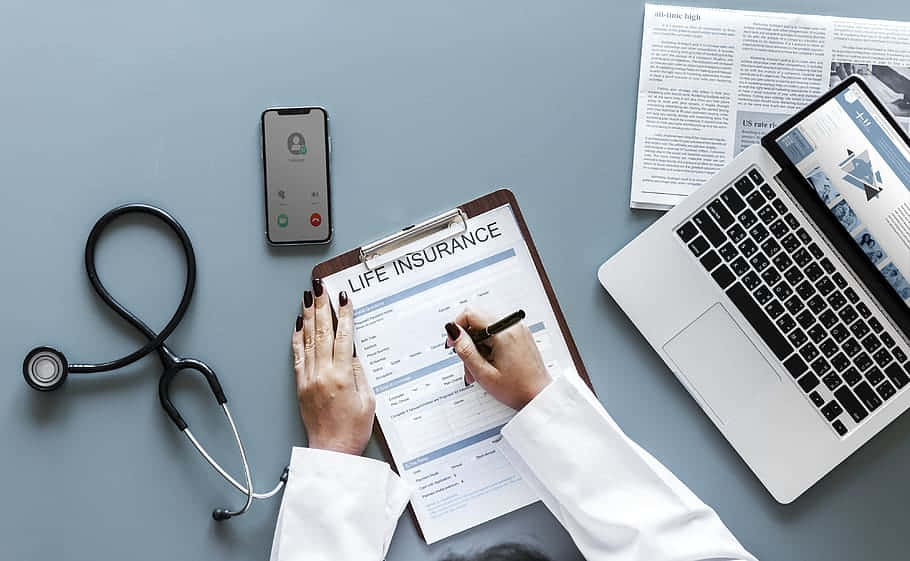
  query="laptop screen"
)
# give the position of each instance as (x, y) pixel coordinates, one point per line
(859, 167)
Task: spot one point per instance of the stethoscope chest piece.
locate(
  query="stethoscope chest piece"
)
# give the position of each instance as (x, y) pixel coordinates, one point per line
(45, 369)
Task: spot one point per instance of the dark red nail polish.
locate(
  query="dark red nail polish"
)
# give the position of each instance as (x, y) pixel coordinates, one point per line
(317, 287)
(453, 331)
(299, 323)
(307, 298)
(343, 299)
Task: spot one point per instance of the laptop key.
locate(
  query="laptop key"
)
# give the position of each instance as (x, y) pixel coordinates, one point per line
(791, 221)
(736, 233)
(839, 332)
(836, 300)
(759, 233)
(783, 291)
(770, 276)
(849, 402)
(867, 396)
(794, 305)
(785, 323)
(747, 218)
(817, 400)
(899, 355)
(698, 246)
(852, 376)
(859, 329)
(739, 266)
(805, 288)
(767, 214)
(898, 375)
(774, 309)
(827, 265)
(832, 410)
(709, 228)
(886, 390)
(851, 346)
(887, 339)
(723, 276)
(782, 261)
(757, 319)
(710, 260)
(748, 248)
(839, 280)
(817, 304)
(828, 318)
(778, 228)
(882, 357)
(809, 352)
(875, 376)
(820, 366)
(848, 314)
(876, 325)
(851, 295)
(756, 177)
(728, 251)
(794, 276)
(755, 199)
(814, 272)
(720, 213)
(817, 333)
(802, 257)
(832, 380)
(767, 191)
(871, 343)
(797, 337)
(779, 206)
(862, 361)
(804, 318)
(815, 250)
(686, 232)
(828, 347)
(770, 247)
(863, 310)
(759, 262)
(763, 295)
(839, 427)
(790, 243)
(803, 235)
(744, 185)
(840, 362)
(751, 280)
(808, 382)
(795, 366)
(733, 200)
(825, 286)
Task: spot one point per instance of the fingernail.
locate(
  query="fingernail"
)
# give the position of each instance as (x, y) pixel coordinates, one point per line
(317, 287)
(453, 331)
(343, 299)
(299, 323)
(307, 298)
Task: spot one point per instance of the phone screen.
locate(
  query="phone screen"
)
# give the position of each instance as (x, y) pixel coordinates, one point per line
(295, 157)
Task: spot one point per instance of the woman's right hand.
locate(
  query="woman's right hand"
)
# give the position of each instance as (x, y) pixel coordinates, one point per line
(512, 371)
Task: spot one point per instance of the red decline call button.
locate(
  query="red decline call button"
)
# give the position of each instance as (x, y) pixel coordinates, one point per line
(315, 219)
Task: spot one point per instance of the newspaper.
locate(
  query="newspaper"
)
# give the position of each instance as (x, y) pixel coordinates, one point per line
(715, 81)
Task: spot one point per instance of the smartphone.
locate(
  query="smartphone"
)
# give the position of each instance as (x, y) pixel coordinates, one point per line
(295, 161)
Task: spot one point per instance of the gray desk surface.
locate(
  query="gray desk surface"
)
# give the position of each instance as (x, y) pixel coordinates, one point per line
(104, 103)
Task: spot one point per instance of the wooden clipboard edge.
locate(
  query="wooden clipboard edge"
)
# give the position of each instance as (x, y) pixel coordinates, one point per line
(473, 208)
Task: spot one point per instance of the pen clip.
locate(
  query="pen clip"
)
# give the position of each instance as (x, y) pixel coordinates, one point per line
(414, 238)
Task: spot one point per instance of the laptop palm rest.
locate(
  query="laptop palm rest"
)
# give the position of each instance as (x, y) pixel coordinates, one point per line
(721, 364)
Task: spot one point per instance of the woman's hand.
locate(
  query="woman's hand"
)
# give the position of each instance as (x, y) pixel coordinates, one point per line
(510, 368)
(336, 403)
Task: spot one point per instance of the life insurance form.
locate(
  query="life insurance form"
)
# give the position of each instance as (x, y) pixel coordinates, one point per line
(442, 435)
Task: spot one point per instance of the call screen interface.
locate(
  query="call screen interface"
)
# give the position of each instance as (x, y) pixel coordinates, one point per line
(859, 166)
(296, 171)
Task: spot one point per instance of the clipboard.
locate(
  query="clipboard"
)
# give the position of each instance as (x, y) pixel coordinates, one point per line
(448, 224)
(445, 225)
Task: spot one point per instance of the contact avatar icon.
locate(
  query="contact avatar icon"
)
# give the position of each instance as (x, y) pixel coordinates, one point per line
(296, 144)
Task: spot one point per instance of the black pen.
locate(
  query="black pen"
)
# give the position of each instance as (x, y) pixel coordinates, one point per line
(481, 335)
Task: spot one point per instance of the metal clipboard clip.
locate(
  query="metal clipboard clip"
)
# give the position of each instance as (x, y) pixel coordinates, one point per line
(414, 238)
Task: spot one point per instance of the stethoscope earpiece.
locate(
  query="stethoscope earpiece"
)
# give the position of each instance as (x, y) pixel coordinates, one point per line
(45, 369)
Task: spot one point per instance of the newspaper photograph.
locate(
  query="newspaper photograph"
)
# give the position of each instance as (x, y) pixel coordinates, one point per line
(713, 82)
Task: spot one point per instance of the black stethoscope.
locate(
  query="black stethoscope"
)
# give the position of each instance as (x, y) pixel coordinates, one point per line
(46, 369)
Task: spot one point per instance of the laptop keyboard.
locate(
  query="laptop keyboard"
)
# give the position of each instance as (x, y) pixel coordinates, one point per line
(799, 301)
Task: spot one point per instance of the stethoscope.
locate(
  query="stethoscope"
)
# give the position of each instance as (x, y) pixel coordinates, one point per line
(45, 368)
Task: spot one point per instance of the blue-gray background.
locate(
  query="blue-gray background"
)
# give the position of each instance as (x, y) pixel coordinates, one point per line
(432, 104)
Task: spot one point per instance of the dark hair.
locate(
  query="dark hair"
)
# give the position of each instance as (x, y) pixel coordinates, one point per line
(503, 552)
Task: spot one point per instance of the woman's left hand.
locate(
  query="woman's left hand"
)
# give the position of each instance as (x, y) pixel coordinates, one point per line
(336, 402)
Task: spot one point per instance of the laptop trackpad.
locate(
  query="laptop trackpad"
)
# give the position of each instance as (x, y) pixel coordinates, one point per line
(721, 363)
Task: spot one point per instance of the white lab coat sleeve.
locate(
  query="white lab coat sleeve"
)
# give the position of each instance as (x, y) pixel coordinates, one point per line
(616, 501)
(337, 506)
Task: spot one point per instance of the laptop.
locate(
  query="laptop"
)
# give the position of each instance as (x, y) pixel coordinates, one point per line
(778, 292)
